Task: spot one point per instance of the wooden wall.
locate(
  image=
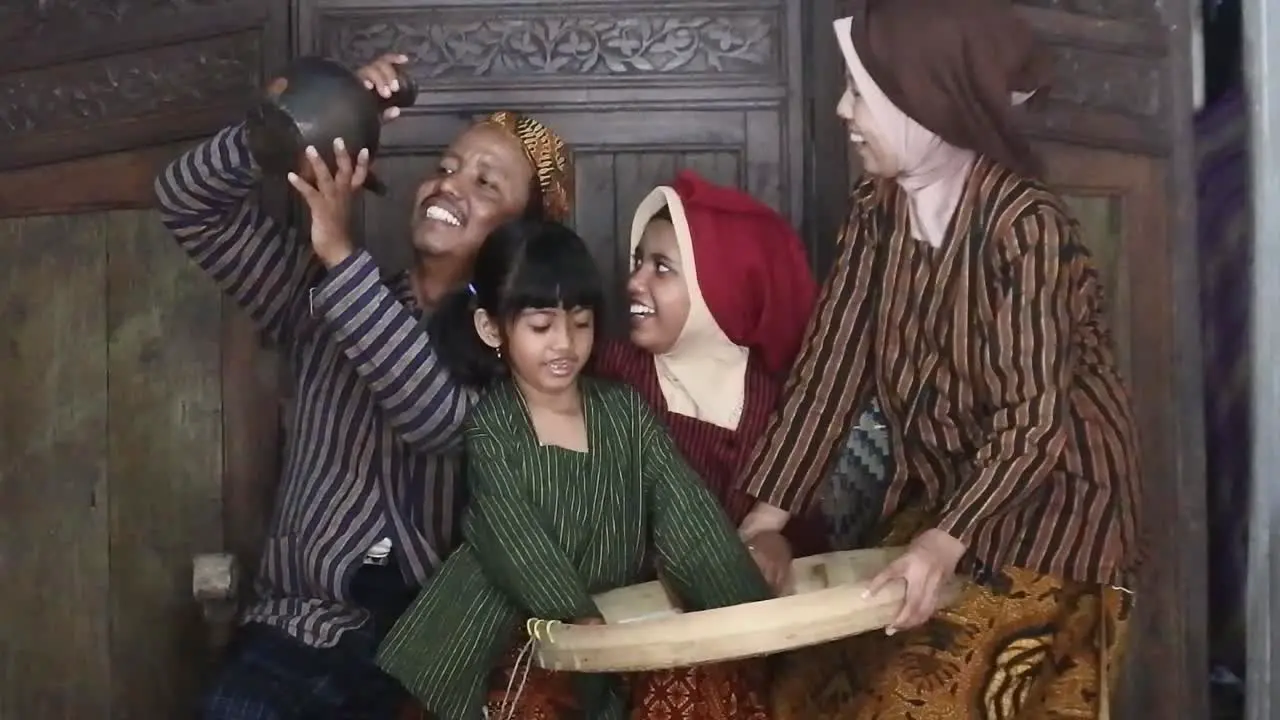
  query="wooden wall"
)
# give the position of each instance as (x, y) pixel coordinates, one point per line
(112, 442)
(114, 392)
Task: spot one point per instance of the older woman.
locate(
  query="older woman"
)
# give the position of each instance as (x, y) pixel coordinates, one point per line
(965, 300)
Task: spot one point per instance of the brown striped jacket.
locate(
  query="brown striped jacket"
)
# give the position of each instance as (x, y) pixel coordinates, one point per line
(993, 363)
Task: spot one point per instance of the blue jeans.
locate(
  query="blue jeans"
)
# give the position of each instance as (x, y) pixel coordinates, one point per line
(269, 675)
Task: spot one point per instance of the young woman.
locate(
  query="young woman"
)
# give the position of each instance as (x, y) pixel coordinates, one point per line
(965, 299)
(720, 292)
(572, 480)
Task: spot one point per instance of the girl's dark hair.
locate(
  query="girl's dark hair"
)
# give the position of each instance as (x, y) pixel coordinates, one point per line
(524, 264)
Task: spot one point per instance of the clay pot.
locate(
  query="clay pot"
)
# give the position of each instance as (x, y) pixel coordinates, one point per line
(314, 102)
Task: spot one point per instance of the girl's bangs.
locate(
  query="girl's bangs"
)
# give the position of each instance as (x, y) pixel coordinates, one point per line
(555, 275)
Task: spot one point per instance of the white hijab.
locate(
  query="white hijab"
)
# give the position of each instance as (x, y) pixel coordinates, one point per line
(703, 375)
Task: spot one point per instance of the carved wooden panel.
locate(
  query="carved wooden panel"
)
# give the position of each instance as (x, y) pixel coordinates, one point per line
(128, 99)
(82, 78)
(458, 47)
(626, 54)
(65, 99)
(638, 90)
(1110, 85)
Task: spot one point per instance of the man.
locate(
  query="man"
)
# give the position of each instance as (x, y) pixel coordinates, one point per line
(366, 505)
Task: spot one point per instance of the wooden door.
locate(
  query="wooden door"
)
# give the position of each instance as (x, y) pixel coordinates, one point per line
(1115, 134)
(111, 439)
(122, 390)
(639, 90)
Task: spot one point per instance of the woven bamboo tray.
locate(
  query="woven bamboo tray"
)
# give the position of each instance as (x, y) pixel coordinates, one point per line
(644, 630)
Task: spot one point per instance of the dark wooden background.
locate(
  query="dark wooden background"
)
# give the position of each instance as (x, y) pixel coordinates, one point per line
(139, 416)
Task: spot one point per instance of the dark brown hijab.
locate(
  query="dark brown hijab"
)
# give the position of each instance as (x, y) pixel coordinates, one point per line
(952, 66)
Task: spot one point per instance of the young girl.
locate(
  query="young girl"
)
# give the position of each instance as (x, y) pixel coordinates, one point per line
(572, 481)
(720, 292)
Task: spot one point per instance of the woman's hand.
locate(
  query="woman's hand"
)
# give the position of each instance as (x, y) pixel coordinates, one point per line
(772, 554)
(929, 563)
(329, 200)
(380, 76)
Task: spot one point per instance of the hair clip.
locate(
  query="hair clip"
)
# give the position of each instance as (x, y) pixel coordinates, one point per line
(472, 288)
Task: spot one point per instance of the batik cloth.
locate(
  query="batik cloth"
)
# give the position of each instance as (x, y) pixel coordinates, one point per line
(548, 155)
(1021, 646)
(851, 500)
(719, 691)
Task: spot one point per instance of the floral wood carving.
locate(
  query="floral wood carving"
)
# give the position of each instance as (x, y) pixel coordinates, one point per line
(458, 47)
(165, 80)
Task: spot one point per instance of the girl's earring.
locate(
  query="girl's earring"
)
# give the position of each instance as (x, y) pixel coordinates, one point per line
(499, 351)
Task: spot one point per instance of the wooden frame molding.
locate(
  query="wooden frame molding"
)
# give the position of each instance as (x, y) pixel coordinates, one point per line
(1262, 67)
(116, 181)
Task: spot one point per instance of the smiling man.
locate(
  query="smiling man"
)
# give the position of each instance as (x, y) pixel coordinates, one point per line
(365, 508)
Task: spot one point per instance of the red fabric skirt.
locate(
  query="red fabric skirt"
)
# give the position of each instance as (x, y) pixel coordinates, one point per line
(723, 691)
(545, 695)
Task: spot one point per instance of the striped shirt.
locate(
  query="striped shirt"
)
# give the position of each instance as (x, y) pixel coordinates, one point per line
(546, 530)
(993, 364)
(375, 448)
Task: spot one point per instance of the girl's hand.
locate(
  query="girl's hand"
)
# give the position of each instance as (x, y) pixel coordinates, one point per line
(929, 563)
(763, 518)
(329, 200)
(772, 554)
(380, 76)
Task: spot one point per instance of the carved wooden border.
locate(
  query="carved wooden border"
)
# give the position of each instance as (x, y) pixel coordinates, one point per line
(458, 47)
(129, 100)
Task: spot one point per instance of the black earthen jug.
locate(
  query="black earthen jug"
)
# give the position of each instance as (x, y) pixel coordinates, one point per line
(314, 102)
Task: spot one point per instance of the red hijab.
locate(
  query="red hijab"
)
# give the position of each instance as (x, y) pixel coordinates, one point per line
(752, 269)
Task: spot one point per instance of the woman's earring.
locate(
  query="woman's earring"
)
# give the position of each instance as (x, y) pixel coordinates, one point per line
(499, 351)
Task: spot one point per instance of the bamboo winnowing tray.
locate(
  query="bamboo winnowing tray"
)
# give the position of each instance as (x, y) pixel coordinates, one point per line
(644, 630)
